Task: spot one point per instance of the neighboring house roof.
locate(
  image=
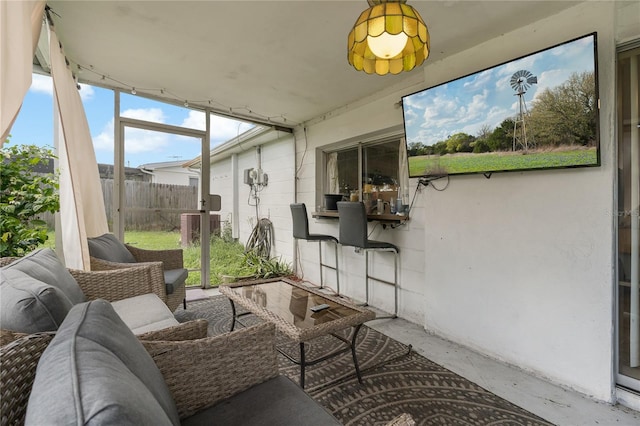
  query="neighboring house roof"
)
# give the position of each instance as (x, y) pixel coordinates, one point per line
(161, 165)
(105, 170)
(253, 137)
(44, 168)
(130, 173)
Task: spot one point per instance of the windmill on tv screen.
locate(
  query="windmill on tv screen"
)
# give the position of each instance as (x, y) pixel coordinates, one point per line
(520, 82)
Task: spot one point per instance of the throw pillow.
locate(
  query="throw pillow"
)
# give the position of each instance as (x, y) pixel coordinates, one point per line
(28, 305)
(108, 247)
(44, 265)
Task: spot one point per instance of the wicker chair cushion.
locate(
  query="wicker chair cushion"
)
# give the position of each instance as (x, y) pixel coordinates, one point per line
(95, 371)
(174, 278)
(108, 247)
(28, 305)
(44, 265)
(278, 401)
(144, 313)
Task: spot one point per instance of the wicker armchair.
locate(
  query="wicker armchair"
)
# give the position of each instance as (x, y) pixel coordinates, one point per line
(227, 365)
(113, 284)
(119, 284)
(17, 372)
(20, 353)
(158, 262)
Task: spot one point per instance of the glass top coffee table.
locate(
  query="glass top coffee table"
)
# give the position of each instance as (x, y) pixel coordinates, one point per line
(288, 305)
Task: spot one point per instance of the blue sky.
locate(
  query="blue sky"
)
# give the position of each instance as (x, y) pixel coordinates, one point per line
(486, 98)
(34, 125)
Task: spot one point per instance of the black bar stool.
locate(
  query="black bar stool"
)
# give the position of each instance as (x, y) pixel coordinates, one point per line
(301, 232)
(353, 232)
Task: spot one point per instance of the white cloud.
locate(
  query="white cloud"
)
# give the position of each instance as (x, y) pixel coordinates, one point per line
(496, 115)
(136, 140)
(41, 84)
(44, 84)
(195, 120)
(443, 113)
(504, 84)
(526, 63)
(224, 129)
(478, 106)
(479, 81)
(86, 92)
(550, 79)
(410, 116)
(155, 115)
(141, 141)
(104, 140)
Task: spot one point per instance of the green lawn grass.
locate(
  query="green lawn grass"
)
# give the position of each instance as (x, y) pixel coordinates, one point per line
(227, 258)
(487, 162)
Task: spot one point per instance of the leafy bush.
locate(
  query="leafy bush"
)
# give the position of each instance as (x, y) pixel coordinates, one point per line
(226, 258)
(23, 195)
(266, 268)
(227, 232)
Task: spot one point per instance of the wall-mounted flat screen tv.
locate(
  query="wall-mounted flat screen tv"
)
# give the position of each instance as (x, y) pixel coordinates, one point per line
(539, 111)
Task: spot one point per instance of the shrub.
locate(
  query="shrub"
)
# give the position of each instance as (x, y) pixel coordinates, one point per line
(266, 268)
(24, 194)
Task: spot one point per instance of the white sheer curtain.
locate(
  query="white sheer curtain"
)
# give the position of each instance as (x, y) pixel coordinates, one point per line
(403, 172)
(333, 181)
(20, 24)
(82, 212)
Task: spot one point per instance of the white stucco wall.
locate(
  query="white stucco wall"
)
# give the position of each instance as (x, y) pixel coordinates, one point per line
(222, 185)
(277, 161)
(173, 175)
(519, 266)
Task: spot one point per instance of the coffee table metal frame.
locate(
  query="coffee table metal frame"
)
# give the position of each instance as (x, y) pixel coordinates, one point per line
(298, 334)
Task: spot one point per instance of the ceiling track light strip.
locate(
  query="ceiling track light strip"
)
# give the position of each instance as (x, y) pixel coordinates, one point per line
(229, 111)
(233, 112)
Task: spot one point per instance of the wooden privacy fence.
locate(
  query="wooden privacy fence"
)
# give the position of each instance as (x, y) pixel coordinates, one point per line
(148, 206)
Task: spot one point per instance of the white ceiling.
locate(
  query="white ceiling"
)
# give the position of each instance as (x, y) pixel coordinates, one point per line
(259, 58)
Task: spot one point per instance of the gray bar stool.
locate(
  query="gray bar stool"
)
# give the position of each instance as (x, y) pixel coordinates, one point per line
(353, 232)
(301, 232)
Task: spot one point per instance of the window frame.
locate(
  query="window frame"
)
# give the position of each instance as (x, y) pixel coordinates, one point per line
(393, 134)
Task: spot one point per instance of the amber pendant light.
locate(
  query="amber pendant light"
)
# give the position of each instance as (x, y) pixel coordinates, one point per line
(388, 37)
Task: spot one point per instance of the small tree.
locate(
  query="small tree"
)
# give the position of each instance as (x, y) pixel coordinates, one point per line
(24, 194)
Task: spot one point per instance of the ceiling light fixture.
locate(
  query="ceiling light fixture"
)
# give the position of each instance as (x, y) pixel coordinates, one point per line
(388, 37)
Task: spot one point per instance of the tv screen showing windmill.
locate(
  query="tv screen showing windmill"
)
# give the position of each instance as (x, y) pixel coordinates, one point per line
(538, 111)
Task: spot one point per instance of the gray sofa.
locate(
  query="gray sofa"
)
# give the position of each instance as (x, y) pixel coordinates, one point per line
(37, 292)
(95, 371)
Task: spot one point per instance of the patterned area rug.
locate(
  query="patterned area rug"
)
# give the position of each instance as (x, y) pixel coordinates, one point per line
(395, 379)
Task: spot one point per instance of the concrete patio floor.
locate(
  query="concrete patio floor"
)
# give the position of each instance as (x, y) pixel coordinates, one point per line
(547, 400)
(551, 402)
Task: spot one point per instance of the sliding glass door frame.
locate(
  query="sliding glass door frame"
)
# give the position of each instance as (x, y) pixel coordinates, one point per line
(627, 366)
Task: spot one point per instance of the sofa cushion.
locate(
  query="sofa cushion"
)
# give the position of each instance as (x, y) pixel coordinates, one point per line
(278, 401)
(144, 313)
(28, 305)
(44, 265)
(108, 247)
(95, 371)
(174, 278)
